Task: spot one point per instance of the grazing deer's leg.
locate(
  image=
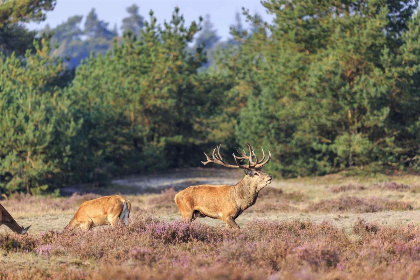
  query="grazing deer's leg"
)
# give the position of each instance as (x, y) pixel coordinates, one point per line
(87, 225)
(231, 222)
(187, 216)
(113, 220)
(197, 214)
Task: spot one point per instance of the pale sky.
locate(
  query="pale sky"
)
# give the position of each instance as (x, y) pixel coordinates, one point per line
(222, 12)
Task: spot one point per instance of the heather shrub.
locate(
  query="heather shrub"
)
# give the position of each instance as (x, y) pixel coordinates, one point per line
(318, 254)
(274, 199)
(348, 187)
(17, 243)
(415, 189)
(153, 249)
(361, 227)
(164, 200)
(393, 186)
(180, 232)
(295, 196)
(270, 192)
(263, 206)
(277, 193)
(358, 205)
(27, 203)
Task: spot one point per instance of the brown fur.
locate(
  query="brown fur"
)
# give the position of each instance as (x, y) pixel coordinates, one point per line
(7, 220)
(223, 202)
(100, 211)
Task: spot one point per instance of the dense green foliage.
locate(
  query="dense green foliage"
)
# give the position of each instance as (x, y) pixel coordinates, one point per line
(36, 127)
(332, 84)
(76, 43)
(14, 37)
(328, 85)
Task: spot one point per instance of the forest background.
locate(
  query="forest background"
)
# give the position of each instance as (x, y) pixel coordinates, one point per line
(326, 86)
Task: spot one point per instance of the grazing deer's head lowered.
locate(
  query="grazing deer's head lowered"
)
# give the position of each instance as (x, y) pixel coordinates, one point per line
(225, 202)
(7, 220)
(105, 210)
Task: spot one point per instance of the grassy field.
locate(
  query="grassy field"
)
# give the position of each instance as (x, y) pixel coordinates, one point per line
(331, 227)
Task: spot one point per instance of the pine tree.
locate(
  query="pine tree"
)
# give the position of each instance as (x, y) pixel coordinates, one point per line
(138, 101)
(208, 35)
(319, 95)
(134, 22)
(14, 37)
(36, 128)
(68, 31)
(95, 28)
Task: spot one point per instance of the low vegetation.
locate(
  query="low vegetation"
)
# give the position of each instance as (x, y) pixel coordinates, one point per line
(152, 249)
(298, 228)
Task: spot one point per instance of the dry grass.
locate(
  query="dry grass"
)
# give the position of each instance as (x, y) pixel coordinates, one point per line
(313, 228)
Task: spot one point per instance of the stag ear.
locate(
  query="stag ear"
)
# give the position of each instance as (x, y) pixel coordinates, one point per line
(24, 230)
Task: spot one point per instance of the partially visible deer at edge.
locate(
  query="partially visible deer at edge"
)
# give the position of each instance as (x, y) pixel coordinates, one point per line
(7, 220)
(225, 202)
(101, 211)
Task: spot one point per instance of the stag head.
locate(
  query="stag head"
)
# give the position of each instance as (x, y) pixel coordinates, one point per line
(252, 169)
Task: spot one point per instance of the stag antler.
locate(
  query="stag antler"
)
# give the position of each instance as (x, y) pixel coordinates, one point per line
(253, 162)
(217, 158)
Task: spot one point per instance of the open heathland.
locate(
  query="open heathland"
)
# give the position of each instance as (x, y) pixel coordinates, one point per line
(332, 227)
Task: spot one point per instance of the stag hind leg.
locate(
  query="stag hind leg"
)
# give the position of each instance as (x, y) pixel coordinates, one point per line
(230, 222)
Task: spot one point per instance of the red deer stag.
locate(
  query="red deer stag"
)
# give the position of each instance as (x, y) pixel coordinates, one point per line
(225, 202)
(101, 211)
(7, 220)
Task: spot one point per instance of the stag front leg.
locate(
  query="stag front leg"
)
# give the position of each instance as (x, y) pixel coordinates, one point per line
(230, 222)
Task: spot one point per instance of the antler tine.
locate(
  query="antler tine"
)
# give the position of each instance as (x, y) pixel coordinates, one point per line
(243, 155)
(263, 157)
(236, 160)
(253, 162)
(214, 153)
(217, 158)
(208, 160)
(252, 155)
(260, 165)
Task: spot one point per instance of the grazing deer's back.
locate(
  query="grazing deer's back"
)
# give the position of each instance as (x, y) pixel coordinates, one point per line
(102, 205)
(101, 211)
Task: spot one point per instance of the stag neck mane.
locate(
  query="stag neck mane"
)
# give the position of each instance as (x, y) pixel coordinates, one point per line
(245, 192)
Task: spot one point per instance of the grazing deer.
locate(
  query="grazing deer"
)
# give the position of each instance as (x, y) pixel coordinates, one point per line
(225, 202)
(7, 220)
(101, 211)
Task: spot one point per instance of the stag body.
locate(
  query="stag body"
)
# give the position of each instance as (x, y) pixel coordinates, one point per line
(7, 220)
(101, 211)
(224, 202)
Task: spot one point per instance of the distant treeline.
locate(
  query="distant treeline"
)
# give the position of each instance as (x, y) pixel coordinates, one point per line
(328, 85)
